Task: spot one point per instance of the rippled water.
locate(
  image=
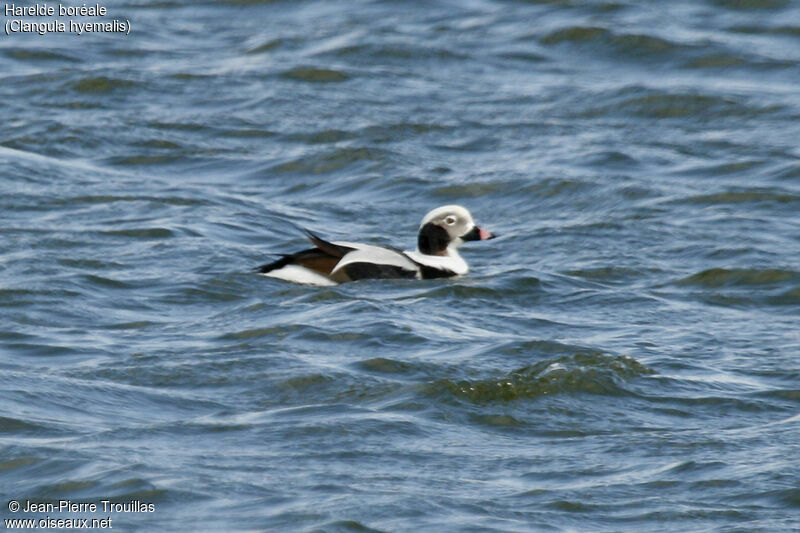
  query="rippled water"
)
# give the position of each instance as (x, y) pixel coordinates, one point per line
(623, 358)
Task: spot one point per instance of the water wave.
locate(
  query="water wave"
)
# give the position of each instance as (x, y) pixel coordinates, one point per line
(580, 373)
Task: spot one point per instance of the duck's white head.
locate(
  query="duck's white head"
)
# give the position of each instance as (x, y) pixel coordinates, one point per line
(446, 228)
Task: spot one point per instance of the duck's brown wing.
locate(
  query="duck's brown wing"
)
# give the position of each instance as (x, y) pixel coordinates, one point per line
(322, 259)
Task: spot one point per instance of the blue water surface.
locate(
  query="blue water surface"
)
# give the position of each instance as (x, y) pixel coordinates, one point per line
(623, 358)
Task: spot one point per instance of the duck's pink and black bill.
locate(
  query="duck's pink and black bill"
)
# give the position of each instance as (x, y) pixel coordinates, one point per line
(478, 234)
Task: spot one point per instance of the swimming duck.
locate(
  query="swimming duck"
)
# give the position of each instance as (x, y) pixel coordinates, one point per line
(441, 232)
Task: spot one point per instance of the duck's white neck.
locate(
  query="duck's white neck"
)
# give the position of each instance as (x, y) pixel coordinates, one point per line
(451, 260)
(450, 251)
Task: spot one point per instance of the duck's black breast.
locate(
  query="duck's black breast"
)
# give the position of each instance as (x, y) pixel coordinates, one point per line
(429, 272)
(357, 271)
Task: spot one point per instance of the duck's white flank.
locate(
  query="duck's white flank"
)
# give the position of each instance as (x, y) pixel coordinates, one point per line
(365, 253)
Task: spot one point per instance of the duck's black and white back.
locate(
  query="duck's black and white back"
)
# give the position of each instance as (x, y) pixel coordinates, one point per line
(442, 231)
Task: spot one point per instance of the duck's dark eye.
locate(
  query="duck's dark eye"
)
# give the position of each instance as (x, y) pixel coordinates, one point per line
(450, 220)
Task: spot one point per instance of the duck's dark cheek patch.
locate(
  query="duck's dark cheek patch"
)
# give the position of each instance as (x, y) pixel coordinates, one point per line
(433, 239)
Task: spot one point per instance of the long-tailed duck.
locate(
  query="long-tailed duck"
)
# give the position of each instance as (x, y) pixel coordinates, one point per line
(442, 231)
